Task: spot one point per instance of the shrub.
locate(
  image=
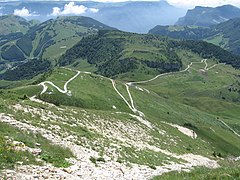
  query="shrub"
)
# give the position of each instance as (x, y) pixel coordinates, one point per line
(101, 159)
(152, 167)
(93, 160)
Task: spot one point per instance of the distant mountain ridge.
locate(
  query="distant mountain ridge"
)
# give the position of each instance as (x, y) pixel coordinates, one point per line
(207, 16)
(225, 35)
(130, 16)
(139, 16)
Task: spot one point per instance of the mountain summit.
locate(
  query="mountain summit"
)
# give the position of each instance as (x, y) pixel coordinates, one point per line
(207, 16)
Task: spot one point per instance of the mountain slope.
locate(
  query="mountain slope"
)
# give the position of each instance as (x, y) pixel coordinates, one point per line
(48, 40)
(225, 34)
(12, 28)
(127, 130)
(120, 106)
(119, 54)
(116, 52)
(111, 53)
(13, 24)
(207, 16)
(71, 122)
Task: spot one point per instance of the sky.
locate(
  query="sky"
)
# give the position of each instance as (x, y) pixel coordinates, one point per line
(179, 3)
(72, 8)
(211, 3)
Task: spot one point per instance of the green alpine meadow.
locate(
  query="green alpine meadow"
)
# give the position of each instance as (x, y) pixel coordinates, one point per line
(85, 99)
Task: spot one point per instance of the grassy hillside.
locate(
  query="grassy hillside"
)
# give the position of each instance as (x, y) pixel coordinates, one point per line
(12, 24)
(138, 127)
(224, 34)
(116, 52)
(12, 28)
(48, 40)
(229, 171)
(134, 56)
(110, 53)
(197, 99)
(121, 105)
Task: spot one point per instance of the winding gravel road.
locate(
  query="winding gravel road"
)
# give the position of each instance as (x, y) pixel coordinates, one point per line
(131, 105)
(186, 69)
(65, 89)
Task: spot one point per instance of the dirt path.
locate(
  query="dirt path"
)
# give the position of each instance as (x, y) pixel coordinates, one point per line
(141, 115)
(229, 128)
(131, 106)
(182, 129)
(111, 170)
(186, 69)
(65, 89)
(206, 64)
(114, 87)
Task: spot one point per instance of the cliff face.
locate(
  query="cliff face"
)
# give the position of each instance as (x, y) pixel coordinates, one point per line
(206, 16)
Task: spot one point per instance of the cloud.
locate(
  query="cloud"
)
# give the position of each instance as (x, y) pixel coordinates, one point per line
(56, 11)
(94, 10)
(72, 9)
(211, 3)
(24, 12)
